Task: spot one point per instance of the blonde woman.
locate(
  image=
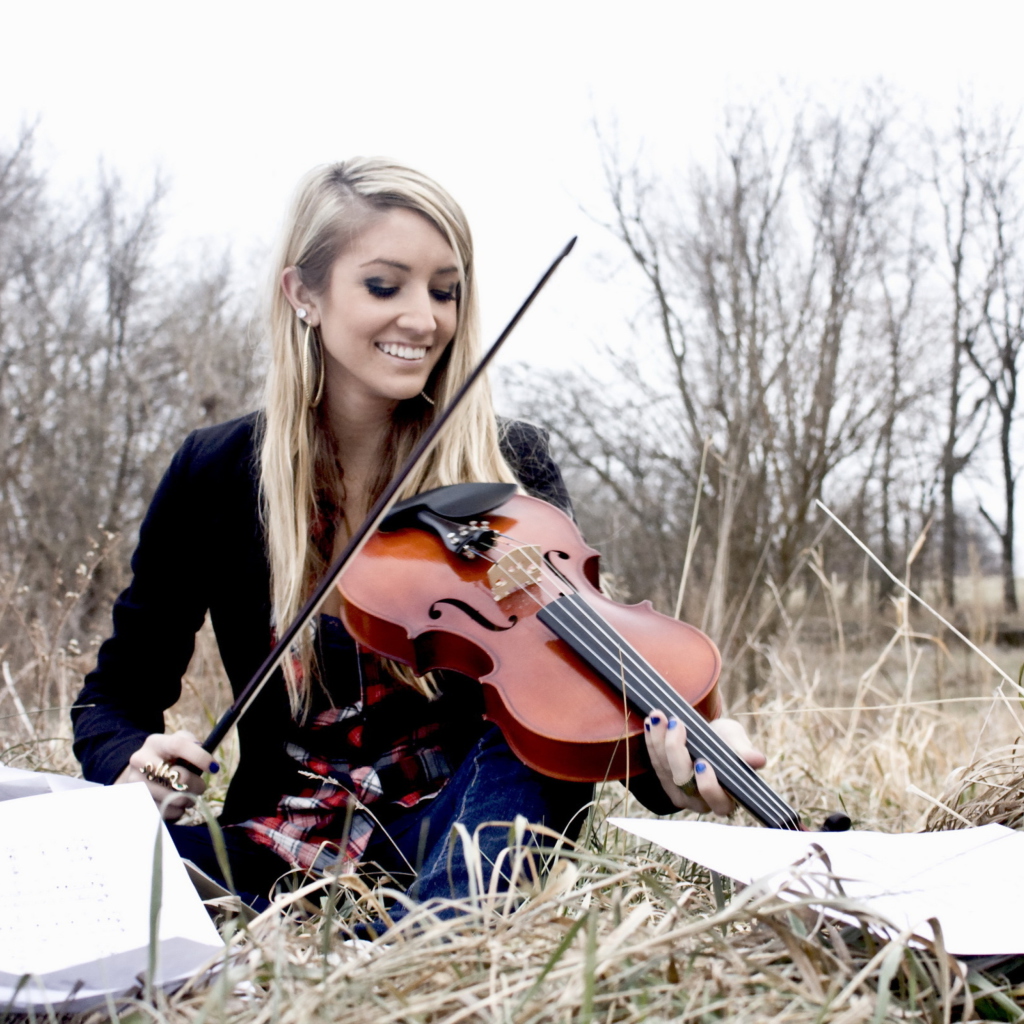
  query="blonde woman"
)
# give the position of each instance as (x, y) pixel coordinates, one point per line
(372, 325)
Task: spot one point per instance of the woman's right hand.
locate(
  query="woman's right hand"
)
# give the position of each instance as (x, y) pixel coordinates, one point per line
(166, 748)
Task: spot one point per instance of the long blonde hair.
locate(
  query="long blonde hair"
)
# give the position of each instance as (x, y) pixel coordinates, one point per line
(299, 486)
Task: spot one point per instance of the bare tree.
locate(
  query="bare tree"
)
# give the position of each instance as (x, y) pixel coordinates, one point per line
(899, 464)
(761, 282)
(107, 359)
(969, 268)
(994, 347)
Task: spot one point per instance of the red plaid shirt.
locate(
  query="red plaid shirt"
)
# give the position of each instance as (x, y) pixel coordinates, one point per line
(372, 746)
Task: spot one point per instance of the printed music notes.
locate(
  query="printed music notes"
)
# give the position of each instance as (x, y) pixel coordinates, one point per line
(75, 891)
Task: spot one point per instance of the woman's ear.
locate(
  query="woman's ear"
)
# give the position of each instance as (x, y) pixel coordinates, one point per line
(299, 295)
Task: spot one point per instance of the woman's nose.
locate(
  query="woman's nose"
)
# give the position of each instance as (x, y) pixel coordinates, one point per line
(418, 315)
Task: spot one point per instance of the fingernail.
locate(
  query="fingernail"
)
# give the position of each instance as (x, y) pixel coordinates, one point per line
(699, 767)
(672, 723)
(647, 726)
(214, 767)
(655, 720)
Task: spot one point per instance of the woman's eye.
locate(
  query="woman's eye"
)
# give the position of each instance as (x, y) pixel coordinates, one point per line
(378, 289)
(449, 296)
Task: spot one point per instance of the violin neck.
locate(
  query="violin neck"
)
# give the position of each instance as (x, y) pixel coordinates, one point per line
(575, 622)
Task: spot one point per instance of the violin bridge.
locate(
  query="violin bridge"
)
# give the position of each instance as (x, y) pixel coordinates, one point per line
(515, 570)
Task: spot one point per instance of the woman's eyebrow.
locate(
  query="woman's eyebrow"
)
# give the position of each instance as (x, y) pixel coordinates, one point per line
(405, 267)
(387, 263)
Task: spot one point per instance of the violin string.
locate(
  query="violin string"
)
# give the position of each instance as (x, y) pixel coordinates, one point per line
(610, 647)
(614, 655)
(728, 765)
(656, 686)
(610, 644)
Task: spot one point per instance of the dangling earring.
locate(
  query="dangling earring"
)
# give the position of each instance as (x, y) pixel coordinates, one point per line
(312, 400)
(426, 397)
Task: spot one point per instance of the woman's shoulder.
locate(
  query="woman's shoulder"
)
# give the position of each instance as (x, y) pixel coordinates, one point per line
(222, 453)
(218, 462)
(526, 448)
(522, 439)
(224, 443)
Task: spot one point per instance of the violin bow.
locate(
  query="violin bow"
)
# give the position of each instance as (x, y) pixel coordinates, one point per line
(362, 534)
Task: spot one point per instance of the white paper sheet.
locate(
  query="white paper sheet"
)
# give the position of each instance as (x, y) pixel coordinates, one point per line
(75, 881)
(17, 782)
(970, 879)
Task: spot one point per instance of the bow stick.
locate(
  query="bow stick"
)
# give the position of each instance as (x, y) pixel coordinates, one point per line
(359, 538)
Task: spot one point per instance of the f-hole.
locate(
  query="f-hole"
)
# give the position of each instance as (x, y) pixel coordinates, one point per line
(549, 557)
(476, 616)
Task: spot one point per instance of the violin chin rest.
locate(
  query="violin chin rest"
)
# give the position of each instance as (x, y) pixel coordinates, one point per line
(837, 822)
(457, 501)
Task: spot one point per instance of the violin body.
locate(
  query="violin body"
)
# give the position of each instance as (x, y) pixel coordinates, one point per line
(408, 597)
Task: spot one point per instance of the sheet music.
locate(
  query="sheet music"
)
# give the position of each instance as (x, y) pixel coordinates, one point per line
(967, 878)
(75, 881)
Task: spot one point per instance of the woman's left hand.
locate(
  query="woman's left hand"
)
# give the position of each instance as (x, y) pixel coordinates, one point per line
(693, 786)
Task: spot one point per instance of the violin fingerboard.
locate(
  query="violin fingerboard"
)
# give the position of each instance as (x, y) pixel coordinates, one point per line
(620, 665)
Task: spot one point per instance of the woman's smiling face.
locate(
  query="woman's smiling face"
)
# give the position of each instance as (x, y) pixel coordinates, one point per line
(389, 310)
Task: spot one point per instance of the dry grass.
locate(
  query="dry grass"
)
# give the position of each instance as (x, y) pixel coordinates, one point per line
(913, 735)
(613, 937)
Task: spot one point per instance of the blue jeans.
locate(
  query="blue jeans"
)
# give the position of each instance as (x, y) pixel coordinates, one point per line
(491, 785)
(418, 848)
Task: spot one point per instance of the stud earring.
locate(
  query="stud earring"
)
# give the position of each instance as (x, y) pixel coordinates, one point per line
(301, 314)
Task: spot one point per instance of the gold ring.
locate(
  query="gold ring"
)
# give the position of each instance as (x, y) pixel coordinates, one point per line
(690, 787)
(165, 775)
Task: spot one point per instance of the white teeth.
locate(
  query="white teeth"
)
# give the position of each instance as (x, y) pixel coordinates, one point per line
(402, 351)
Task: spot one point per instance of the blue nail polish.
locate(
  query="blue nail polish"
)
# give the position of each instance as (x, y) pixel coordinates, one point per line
(655, 720)
(700, 767)
(647, 726)
(672, 723)
(214, 767)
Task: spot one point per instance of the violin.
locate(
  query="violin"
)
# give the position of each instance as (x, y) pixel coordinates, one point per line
(501, 587)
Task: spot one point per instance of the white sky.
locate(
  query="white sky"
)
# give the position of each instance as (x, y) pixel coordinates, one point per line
(235, 100)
